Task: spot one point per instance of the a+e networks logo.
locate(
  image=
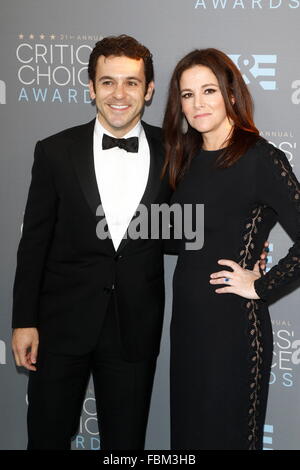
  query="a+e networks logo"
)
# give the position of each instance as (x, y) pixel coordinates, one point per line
(260, 67)
(2, 92)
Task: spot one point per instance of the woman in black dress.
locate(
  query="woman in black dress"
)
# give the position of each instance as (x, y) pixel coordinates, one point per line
(221, 345)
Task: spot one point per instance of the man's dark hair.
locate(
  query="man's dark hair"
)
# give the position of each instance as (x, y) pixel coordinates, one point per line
(119, 46)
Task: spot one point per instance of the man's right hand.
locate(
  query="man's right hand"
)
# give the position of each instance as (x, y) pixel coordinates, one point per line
(25, 343)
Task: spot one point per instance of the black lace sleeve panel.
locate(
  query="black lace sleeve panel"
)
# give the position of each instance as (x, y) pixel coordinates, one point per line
(278, 187)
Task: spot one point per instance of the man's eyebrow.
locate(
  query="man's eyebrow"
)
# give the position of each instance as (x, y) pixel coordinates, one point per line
(134, 78)
(107, 77)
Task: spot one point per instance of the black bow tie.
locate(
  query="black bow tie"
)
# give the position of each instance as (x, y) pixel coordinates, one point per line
(130, 145)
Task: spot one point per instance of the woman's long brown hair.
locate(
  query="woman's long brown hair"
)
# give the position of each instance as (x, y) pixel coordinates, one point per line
(181, 148)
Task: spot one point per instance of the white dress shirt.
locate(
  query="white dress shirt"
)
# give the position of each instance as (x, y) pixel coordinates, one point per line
(122, 178)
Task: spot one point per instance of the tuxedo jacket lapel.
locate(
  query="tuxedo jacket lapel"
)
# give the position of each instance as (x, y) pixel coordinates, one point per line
(82, 156)
(156, 159)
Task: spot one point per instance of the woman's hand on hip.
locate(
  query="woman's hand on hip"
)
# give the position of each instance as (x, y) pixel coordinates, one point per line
(239, 281)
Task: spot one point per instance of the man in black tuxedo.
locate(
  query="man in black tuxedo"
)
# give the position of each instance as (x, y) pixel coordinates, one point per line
(83, 304)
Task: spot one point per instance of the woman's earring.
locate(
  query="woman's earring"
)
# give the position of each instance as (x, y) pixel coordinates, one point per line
(184, 125)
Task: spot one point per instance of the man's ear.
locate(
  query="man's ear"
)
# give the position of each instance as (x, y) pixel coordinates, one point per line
(92, 91)
(149, 91)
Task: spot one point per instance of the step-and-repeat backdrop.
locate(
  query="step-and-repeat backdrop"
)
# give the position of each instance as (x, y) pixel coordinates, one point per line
(44, 50)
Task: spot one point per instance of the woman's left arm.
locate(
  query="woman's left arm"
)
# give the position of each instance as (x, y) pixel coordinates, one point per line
(276, 187)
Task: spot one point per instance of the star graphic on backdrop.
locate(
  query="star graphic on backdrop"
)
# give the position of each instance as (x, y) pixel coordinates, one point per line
(42, 36)
(31, 36)
(52, 36)
(21, 36)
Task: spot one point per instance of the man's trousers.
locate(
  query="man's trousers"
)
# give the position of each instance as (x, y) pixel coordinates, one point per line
(122, 390)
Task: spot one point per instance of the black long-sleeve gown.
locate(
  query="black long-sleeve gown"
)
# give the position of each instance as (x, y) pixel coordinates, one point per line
(221, 344)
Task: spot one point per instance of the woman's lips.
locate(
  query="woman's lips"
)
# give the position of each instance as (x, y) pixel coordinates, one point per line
(202, 115)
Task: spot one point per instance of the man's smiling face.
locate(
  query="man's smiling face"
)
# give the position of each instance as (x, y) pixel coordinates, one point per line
(120, 93)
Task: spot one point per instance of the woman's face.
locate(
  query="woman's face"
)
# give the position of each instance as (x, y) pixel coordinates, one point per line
(202, 101)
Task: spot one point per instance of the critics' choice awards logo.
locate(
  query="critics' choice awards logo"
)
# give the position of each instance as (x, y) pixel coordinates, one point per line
(259, 68)
(88, 432)
(286, 354)
(245, 4)
(53, 68)
(285, 141)
(2, 352)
